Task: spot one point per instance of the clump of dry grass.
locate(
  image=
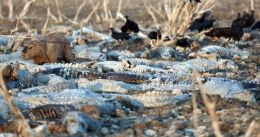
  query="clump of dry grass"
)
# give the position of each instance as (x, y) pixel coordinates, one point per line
(211, 106)
(179, 14)
(13, 44)
(23, 127)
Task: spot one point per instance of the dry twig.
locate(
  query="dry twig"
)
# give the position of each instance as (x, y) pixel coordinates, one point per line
(26, 9)
(49, 12)
(23, 127)
(195, 107)
(57, 3)
(250, 129)
(211, 106)
(9, 3)
(79, 9)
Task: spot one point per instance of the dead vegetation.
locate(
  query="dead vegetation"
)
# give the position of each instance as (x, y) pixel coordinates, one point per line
(177, 15)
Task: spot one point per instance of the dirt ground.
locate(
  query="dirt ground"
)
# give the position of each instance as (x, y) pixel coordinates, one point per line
(233, 122)
(224, 12)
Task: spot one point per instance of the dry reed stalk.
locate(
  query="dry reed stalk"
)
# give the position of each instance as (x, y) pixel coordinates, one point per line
(181, 15)
(252, 5)
(9, 3)
(23, 127)
(18, 42)
(188, 14)
(98, 19)
(195, 107)
(49, 12)
(9, 45)
(71, 21)
(168, 10)
(91, 13)
(177, 12)
(158, 12)
(79, 9)
(57, 3)
(250, 129)
(24, 12)
(211, 106)
(148, 8)
(44, 30)
(105, 3)
(119, 7)
(1, 15)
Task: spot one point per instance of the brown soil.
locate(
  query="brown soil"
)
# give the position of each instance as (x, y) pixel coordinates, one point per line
(174, 120)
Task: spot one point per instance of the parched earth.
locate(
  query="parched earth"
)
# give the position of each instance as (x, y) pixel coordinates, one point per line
(132, 119)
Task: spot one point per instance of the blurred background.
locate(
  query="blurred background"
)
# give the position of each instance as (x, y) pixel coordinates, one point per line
(224, 11)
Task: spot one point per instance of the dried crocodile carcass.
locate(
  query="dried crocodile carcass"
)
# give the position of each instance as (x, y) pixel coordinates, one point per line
(221, 51)
(76, 123)
(47, 112)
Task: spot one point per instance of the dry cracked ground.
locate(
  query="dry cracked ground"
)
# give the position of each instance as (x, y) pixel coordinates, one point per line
(234, 116)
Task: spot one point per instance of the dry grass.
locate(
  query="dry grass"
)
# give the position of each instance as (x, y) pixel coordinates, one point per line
(178, 17)
(23, 127)
(211, 106)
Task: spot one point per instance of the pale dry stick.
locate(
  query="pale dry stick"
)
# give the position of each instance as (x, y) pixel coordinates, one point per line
(18, 42)
(23, 127)
(186, 21)
(148, 8)
(44, 30)
(26, 9)
(9, 45)
(105, 2)
(175, 16)
(85, 20)
(195, 107)
(49, 12)
(57, 3)
(71, 21)
(78, 11)
(250, 129)
(111, 19)
(91, 13)
(9, 3)
(211, 106)
(168, 9)
(98, 19)
(158, 12)
(119, 7)
(252, 5)
(1, 15)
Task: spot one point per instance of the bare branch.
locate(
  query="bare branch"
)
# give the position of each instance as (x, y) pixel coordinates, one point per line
(49, 11)
(119, 7)
(9, 3)
(148, 8)
(210, 106)
(250, 129)
(91, 13)
(1, 15)
(57, 3)
(79, 9)
(23, 127)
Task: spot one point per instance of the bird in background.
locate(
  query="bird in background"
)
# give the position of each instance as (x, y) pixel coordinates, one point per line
(130, 26)
(119, 36)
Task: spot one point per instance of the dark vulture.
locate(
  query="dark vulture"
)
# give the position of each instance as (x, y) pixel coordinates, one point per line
(155, 35)
(235, 31)
(202, 23)
(249, 19)
(130, 26)
(256, 25)
(119, 36)
(195, 1)
(183, 42)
